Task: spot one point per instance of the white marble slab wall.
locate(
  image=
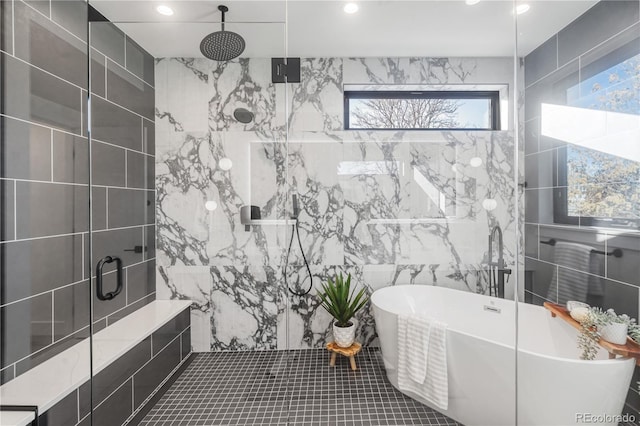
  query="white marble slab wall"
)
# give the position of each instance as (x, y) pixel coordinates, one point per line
(387, 207)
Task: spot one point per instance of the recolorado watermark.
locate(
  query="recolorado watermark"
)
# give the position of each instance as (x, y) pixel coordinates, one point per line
(590, 418)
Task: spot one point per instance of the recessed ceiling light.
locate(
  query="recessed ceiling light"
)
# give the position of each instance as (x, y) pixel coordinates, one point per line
(350, 8)
(472, 2)
(164, 10)
(522, 9)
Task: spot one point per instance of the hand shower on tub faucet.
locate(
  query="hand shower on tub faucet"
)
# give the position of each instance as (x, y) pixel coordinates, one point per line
(496, 283)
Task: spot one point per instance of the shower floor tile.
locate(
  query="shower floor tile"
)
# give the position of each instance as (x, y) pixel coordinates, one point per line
(287, 388)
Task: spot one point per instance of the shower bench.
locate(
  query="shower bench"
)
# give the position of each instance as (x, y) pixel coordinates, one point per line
(145, 347)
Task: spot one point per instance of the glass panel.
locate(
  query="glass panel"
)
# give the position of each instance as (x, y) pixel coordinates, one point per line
(406, 214)
(44, 211)
(189, 156)
(581, 129)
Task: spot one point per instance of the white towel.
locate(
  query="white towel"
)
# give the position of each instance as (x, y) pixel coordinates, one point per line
(422, 358)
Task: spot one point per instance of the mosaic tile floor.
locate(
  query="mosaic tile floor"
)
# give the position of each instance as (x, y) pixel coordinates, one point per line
(287, 388)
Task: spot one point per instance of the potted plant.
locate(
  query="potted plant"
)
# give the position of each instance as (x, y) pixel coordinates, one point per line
(615, 327)
(607, 325)
(342, 303)
(634, 332)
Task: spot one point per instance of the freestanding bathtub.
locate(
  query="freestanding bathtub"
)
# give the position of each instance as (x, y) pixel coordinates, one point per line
(554, 386)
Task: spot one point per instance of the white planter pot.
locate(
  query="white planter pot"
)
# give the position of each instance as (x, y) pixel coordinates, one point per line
(344, 336)
(614, 333)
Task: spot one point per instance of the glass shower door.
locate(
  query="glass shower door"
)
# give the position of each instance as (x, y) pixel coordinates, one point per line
(191, 182)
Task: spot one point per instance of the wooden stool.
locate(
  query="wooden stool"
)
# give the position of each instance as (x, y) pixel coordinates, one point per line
(351, 352)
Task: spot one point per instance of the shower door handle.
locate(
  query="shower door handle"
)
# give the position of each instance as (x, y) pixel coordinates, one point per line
(99, 266)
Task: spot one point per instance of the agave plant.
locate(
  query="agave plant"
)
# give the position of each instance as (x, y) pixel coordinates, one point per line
(340, 301)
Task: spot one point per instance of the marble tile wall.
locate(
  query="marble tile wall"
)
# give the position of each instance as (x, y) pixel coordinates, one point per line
(388, 207)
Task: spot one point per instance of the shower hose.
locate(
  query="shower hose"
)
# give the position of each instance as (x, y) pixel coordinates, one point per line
(295, 230)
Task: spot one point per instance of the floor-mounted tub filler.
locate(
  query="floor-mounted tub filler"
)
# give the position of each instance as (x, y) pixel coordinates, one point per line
(554, 386)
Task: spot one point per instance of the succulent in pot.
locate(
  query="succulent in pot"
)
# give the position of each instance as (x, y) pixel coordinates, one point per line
(607, 325)
(342, 303)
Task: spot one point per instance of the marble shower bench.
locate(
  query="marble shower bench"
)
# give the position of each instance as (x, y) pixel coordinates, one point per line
(132, 358)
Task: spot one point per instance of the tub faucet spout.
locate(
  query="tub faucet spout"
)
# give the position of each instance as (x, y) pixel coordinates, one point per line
(497, 271)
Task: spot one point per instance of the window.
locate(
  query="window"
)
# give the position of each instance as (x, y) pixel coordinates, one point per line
(599, 168)
(421, 110)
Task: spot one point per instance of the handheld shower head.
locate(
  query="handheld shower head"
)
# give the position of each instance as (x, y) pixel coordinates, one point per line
(222, 45)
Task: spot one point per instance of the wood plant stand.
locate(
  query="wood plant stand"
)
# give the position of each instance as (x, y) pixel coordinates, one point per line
(350, 352)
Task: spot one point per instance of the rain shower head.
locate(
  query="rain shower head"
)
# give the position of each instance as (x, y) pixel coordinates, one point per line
(243, 115)
(222, 45)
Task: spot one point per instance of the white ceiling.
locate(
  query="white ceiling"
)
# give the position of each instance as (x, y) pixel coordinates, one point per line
(321, 28)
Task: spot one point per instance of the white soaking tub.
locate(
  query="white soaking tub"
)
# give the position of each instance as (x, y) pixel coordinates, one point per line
(554, 385)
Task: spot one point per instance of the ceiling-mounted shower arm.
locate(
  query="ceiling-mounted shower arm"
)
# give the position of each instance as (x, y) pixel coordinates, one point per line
(223, 9)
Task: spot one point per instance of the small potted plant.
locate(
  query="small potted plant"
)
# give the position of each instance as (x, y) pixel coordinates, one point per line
(634, 332)
(614, 327)
(607, 325)
(342, 303)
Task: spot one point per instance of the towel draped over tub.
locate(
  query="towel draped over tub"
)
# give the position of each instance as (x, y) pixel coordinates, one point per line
(422, 358)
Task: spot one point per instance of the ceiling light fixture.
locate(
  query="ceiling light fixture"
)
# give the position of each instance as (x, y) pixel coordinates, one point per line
(164, 10)
(472, 2)
(350, 8)
(520, 9)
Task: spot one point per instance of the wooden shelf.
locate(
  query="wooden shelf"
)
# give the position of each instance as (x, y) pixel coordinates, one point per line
(630, 350)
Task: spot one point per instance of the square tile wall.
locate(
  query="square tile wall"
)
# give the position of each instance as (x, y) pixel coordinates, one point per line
(606, 34)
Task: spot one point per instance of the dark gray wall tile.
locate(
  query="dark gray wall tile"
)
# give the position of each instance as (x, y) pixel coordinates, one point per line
(531, 134)
(150, 239)
(152, 374)
(70, 158)
(98, 73)
(63, 413)
(42, 6)
(170, 331)
(551, 89)
(139, 61)
(542, 61)
(127, 207)
(99, 207)
(72, 15)
(45, 45)
(104, 308)
(34, 95)
(131, 308)
(50, 351)
(114, 243)
(540, 169)
(128, 91)
(36, 266)
(151, 172)
(151, 207)
(141, 280)
(115, 125)
(121, 370)
(602, 21)
(27, 149)
(109, 40)
(6, 375)
(116, 409)
(7, 218)
(6, 31)
(26, 327)
(107, 164)
(540, 279)
(70, 309)
(51, 209)
(186, 343)
(149, 136)
(531, 239)
(539, 205)
(627, 267)
(137, 173)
